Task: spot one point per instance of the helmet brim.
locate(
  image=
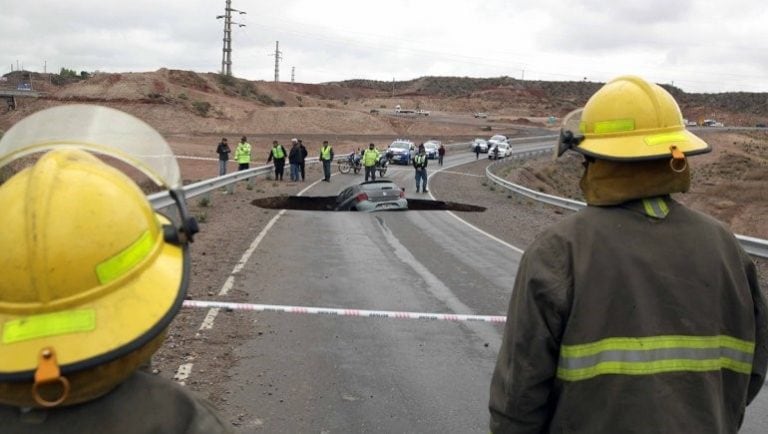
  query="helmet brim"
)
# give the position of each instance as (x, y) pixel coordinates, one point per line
(639, 147)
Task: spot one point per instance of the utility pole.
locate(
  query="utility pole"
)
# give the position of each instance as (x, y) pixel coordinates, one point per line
(278, 57)
(293, 74)
(393, 87)
(226, 54)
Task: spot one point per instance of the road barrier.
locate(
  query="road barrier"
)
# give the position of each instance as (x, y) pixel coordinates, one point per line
(753, 246)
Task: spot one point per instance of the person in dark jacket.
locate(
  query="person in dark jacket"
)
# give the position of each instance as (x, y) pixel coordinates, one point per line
(87, 293)
(223, 150)
(440, 155)
(278, 154)
(635, 314)
(294, 155)
(302, 159)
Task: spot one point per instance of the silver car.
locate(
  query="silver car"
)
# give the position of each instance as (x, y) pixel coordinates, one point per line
(481, 143)
(372, 196)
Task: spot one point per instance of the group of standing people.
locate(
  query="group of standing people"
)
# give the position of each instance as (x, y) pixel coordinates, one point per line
(242, 154)
(296, 157)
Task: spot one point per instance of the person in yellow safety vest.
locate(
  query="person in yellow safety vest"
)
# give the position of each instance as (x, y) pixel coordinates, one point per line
(635, 314)
(326, 156)
(92, 277)
(420, 162)
(370, 158)
(277, 153)
(243, 154)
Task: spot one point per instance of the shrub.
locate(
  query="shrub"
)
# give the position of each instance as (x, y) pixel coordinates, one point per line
(201, 107)
(183, 96)
(226, 80)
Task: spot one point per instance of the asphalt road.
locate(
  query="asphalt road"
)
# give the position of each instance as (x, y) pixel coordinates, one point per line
(311, 373)
(333, 374)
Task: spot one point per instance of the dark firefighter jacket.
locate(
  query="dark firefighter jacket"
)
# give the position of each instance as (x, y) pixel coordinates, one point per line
(142, 404)
(620, 322)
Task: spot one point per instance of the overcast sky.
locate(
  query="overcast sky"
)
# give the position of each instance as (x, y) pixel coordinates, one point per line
(699, 46)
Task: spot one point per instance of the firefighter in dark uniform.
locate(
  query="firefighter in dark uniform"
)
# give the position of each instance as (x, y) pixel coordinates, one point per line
(92, 278)
(635, 314)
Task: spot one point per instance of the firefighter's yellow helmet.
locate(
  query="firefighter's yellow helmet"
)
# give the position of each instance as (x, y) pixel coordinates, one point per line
(90, 273)
(630, 119)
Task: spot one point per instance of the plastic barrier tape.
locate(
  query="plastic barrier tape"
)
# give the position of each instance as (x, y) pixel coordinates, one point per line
(344, 312)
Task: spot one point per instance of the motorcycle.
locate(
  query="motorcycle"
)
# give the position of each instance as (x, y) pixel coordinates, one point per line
(351, 163)
(383, 162)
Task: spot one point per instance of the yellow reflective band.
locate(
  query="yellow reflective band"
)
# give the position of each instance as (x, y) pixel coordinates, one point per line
(615, 126)
(660, 139)
(49, 324)
(654, 367)
(656, 207)
(124, 261)
(657, 342)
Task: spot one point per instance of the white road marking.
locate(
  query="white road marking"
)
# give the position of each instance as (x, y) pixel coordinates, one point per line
(185, 370)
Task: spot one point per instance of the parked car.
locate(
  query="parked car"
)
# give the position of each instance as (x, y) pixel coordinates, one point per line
(503, 151)
(431, 147)
(498, 138)
(402, 151)
(482, 143)
(688, 123)
(481, 115)
(711, 123)
(372, 196)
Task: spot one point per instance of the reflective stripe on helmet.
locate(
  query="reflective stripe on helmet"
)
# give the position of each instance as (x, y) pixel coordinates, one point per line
(49, 324)
(607, 127)
(124, 261)
(660, 139)
(654, 355)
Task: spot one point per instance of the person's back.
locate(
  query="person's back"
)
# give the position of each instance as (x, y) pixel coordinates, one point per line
(635, 314)
(629, 298)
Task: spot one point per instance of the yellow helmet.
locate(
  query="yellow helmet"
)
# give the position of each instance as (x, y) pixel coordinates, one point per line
(630, 119)
(90, 273)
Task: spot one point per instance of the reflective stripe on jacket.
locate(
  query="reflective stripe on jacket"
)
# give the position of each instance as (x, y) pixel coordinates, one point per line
(645, 317)
(243, 152)
(420, 161)
(370, 157)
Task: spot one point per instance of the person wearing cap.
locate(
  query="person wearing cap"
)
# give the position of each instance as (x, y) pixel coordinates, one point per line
(243, 154)
(223, 150)
(326, 156)
(370, 158)
(277, 153)
(635, 314)
(92, 277)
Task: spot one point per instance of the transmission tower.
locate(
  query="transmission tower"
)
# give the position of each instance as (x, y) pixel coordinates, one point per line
(293, 74)
(278, 57)
(226, 54)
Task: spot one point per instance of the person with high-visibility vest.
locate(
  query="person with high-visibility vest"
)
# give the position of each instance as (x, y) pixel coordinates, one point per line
(635, 314)
(92, 277)
(420, 161)
(243, 154)
(277, 153)
(370, 158)
(326, 156)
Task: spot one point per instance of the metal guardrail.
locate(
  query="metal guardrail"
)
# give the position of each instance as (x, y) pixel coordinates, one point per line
(753, 246)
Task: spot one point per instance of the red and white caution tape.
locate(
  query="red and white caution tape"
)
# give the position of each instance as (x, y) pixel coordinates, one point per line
(344, 312)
